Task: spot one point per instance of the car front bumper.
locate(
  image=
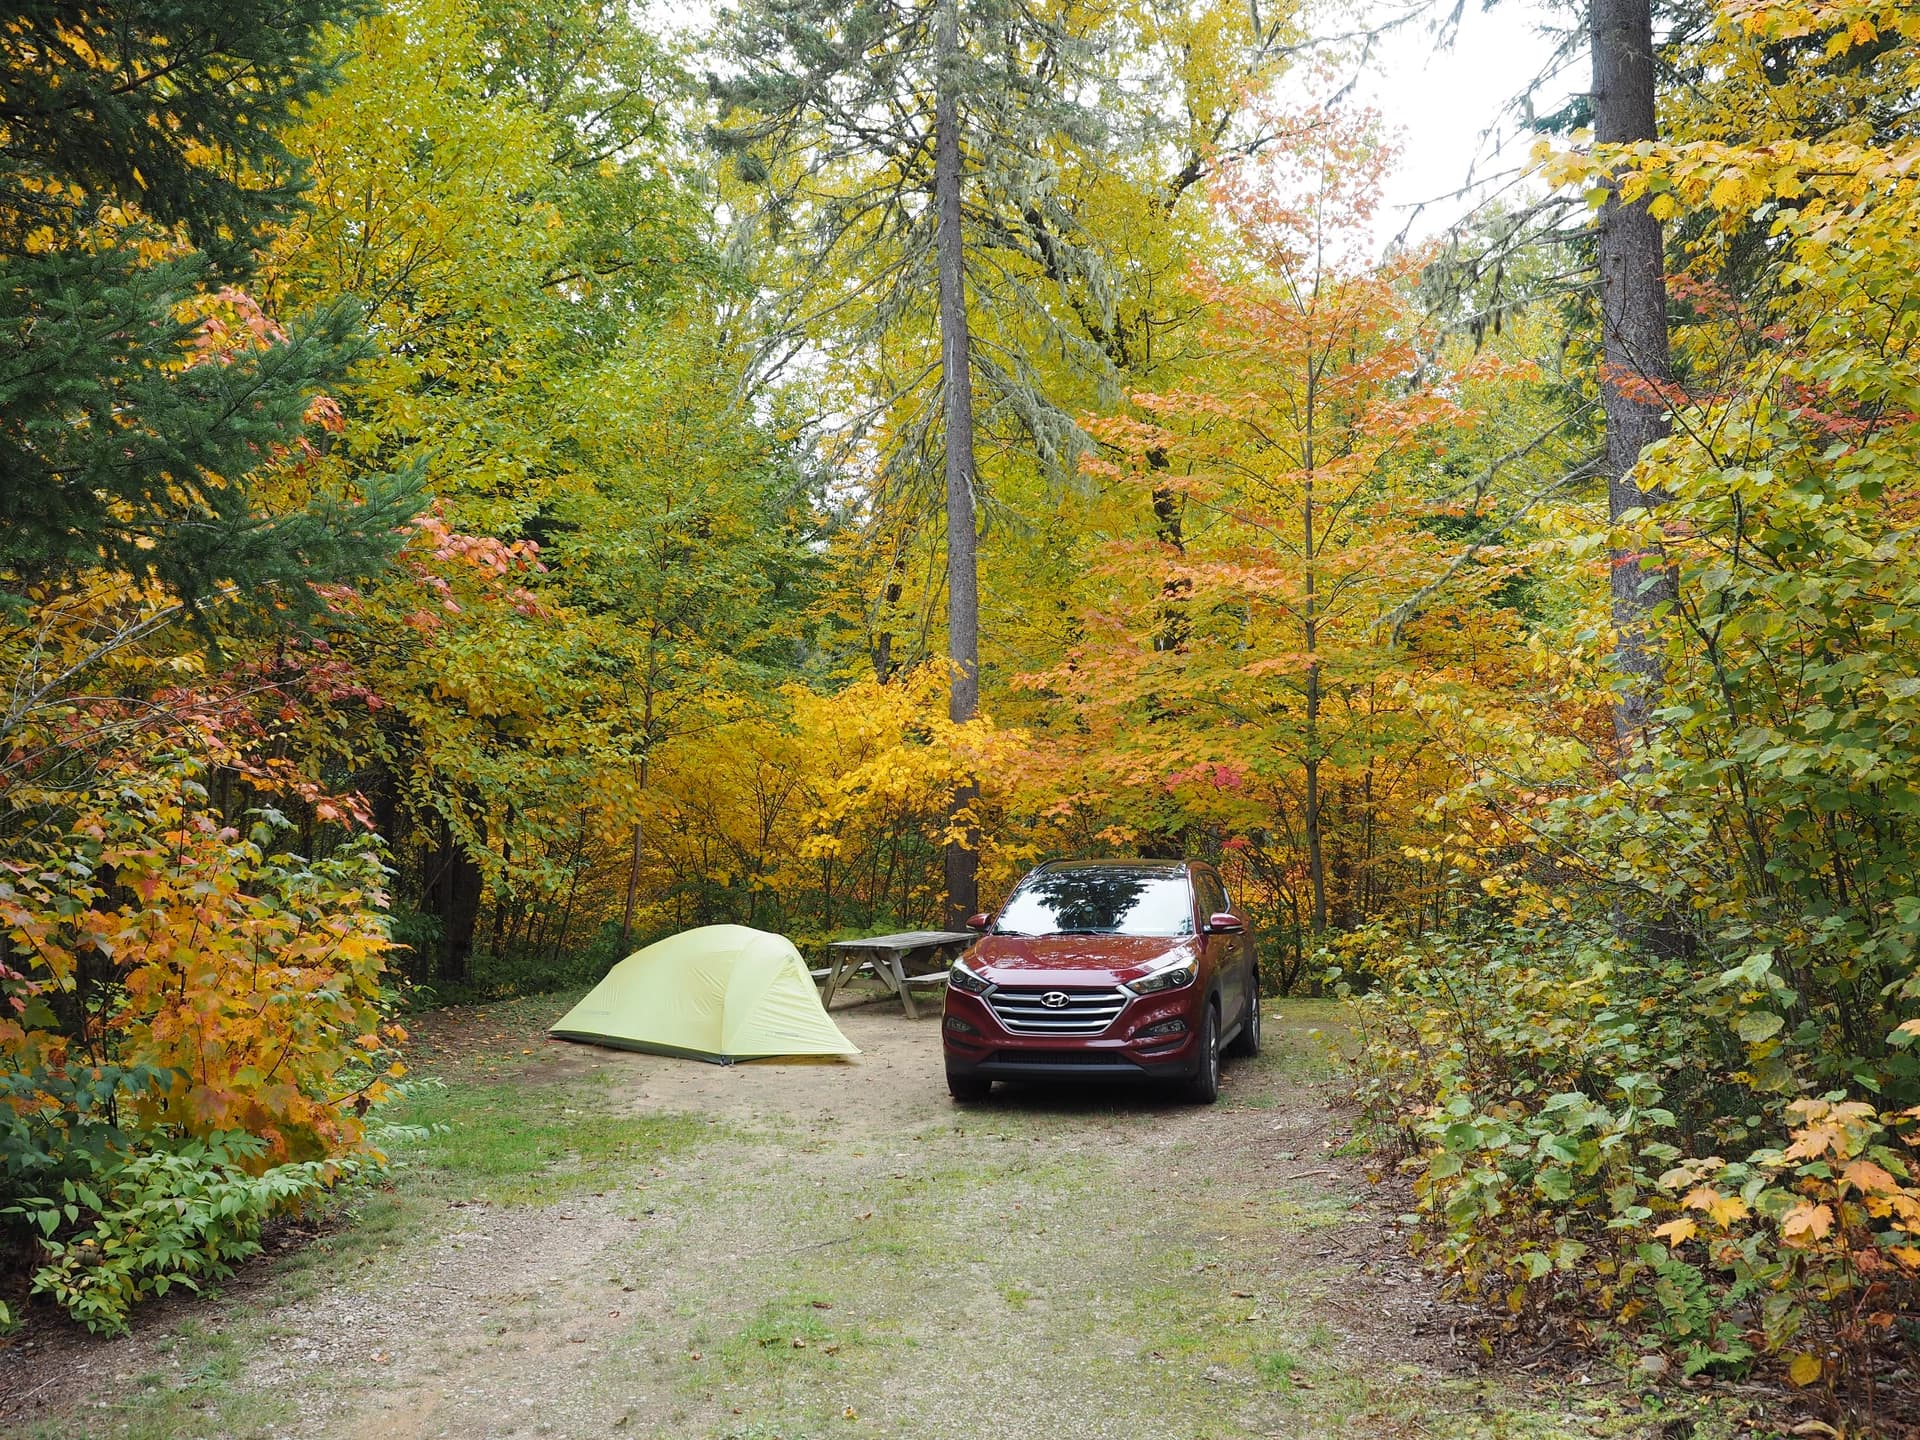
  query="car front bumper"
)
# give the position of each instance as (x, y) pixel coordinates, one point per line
(989, 1051)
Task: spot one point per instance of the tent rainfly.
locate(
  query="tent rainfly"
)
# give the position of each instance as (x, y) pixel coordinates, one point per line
(720, 993)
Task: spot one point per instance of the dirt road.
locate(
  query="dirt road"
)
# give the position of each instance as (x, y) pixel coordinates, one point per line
(606, 1244)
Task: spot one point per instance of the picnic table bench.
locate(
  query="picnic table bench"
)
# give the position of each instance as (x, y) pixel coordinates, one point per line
(891, 956)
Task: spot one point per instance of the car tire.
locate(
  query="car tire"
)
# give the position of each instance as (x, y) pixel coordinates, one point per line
(1246, 1044)
(968, 1089)
(1204, 1087)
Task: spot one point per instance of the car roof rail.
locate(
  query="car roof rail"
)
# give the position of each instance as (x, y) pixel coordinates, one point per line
(1138, 862)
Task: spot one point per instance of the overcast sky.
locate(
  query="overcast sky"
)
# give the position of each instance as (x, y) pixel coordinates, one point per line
(1443, 100)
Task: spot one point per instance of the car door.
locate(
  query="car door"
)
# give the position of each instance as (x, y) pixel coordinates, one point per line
(1223, 951)
(1243, 956)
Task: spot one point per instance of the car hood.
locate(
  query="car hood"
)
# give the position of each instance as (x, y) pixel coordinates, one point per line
(1073, 959)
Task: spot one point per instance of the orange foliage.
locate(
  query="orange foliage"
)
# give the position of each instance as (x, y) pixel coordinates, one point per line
(146, 929)
(1258, 677)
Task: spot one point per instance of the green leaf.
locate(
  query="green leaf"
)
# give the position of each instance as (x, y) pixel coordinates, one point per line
(1758, 1025)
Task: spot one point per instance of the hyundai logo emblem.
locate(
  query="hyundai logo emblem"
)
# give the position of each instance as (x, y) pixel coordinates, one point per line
(1054, 999)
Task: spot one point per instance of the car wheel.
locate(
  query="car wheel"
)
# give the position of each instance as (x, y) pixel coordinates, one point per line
(1204, 1087)
(968, 1089)
(1246, 1044)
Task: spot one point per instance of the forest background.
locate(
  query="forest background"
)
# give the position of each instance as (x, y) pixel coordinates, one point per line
(486, 485)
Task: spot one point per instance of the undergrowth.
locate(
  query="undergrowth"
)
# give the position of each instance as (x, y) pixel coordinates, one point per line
(1567, 1112)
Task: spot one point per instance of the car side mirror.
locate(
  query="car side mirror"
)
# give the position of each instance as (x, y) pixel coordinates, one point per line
(980, 921)
(1225, 922)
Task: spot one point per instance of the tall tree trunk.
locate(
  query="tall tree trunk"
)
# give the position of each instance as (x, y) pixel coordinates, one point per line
(883, 662)
(1316, 857)
(1367, 829)
(576, 865)
(453, 896)
(633, 884)
(1176, 589)
(963, 615)
(1310, 634)
(639, 836)
(1633, 310)
(500, 900)
(1633, 321)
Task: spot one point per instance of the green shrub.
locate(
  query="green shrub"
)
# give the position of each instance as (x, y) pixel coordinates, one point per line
(58, 1126)
(135, 1226)
(1562, 1106)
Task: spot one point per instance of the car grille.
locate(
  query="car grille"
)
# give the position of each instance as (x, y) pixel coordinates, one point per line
(1104, 1059)
(1025, 1011)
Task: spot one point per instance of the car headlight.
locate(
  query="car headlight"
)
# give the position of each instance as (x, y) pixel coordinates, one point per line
(961, 978)
(1173, 973)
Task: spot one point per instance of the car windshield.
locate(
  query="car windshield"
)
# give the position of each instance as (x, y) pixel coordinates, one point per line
(1099, 902)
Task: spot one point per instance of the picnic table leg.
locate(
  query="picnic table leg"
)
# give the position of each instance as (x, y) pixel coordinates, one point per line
(900, 980)
(881, 971)
(834, 964)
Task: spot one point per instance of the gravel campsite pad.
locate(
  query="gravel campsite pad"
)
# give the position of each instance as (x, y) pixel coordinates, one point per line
(598, 1243)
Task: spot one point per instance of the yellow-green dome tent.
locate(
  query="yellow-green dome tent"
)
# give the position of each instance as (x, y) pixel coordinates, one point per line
(719, 993)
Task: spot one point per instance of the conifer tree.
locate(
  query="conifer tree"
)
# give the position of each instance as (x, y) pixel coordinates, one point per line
(891, 133)
(1633, 322)
(140, 163)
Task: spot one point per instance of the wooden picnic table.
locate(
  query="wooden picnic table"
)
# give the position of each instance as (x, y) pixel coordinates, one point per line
(890, 955)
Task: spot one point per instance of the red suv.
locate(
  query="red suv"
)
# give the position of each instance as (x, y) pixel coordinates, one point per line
(1104, 970)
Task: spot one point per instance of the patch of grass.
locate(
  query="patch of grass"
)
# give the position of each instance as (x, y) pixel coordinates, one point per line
(1188, 1321)
(529, 1145)
(1260, 1100)
(1276, 1369)
(796, 1329)
(197, 1399)
(360, 1225)
(1302, 1040)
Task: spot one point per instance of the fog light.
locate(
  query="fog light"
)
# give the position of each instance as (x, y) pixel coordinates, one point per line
(961, 1027)
(1165, 1027)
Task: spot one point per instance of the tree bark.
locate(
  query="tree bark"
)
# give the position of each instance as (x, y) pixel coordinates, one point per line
(1638, 369)
(453, 896)
(1633, 311)
(963, 619)
(1310, 634)
(639, 836)
(883, 662)
(633, 885)
(500, 900)
(1176, 590)
(1316, 858)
